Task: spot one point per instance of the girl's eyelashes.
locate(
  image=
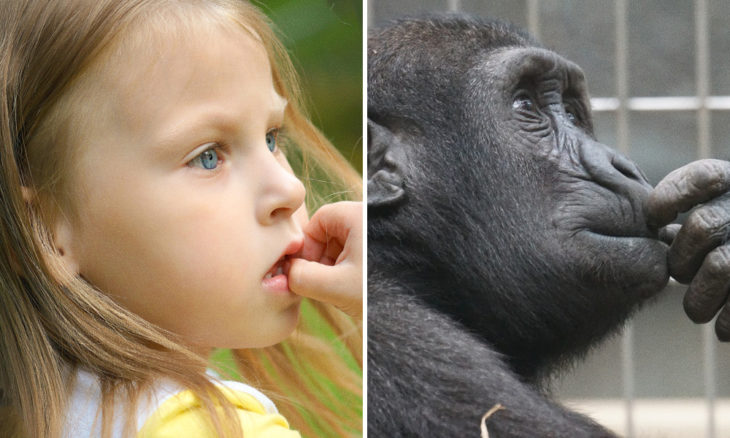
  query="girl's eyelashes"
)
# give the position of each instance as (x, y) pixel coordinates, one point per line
(271, 138)
(212, 156)
(209, 159)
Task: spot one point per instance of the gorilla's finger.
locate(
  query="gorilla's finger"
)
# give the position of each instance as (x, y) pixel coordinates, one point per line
(668, 233)
(706, 228)
(709, 289)
(686, 187)
(722, 324)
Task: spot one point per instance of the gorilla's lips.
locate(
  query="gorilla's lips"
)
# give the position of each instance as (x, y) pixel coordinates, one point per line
(610, 243)
(632, 230)
(634, 259)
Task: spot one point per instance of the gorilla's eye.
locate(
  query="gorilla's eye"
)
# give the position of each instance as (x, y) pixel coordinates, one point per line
(523, 102)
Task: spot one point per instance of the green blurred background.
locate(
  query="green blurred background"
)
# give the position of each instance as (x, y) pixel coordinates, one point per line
(324, 39)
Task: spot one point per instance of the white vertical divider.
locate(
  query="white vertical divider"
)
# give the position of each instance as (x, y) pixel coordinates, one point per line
(454, 5)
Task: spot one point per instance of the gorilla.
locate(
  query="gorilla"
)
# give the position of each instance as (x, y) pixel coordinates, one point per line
(503, 239)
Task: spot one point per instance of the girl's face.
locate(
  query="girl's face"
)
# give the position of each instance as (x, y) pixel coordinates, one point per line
(184, 204)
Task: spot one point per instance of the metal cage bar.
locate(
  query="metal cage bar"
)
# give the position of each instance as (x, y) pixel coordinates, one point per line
(533, 17)
(453, 5)
(666, 103)
(704, 148)
(622, 143)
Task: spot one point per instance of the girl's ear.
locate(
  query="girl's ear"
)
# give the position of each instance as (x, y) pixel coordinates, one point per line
(62, 238)
(62, 235)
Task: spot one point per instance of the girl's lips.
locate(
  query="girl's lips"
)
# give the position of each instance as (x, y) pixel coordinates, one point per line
(277, 283)
(281, 267)
(277, 277)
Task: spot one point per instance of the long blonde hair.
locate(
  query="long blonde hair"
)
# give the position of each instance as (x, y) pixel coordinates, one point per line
(52, 322)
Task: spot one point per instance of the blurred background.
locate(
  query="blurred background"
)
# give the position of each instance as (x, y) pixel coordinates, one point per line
(324, 39)
(659, 75)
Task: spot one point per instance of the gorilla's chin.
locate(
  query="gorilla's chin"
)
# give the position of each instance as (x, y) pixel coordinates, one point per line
(637, 265)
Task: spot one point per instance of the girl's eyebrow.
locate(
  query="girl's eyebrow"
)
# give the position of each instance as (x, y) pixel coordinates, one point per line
(191, 124)
(199, 122)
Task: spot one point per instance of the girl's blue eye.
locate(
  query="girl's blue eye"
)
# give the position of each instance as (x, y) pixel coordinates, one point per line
(208, 159)
(271, 139)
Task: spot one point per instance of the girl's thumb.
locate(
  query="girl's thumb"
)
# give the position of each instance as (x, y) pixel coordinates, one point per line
(312, 280)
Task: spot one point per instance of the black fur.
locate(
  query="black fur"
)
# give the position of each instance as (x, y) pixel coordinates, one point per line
(503, 239)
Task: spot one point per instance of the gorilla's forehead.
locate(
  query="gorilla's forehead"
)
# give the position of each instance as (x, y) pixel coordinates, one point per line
(505, 69)
(426, 60)
(436, 42)
(446, 32)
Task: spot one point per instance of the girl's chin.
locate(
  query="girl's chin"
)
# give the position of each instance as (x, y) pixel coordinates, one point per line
(281, 330)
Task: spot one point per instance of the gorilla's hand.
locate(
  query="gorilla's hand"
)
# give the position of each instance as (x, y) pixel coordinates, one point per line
(700, 252)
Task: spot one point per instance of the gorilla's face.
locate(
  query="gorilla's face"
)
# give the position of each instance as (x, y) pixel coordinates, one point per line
(588, 199)
(572, 207)
(485, 179)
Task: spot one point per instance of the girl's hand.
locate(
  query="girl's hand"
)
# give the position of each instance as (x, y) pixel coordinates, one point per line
(329, 267)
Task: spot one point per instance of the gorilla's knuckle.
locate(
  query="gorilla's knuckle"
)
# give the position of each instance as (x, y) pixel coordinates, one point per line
(717, 262)
(708, 223)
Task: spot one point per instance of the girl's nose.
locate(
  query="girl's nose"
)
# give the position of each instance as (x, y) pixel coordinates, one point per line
(283, 193)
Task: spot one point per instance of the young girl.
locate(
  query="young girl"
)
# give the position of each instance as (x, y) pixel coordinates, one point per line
(149, 214)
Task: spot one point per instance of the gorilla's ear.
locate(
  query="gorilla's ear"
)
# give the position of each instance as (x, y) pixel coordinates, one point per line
(385, 167)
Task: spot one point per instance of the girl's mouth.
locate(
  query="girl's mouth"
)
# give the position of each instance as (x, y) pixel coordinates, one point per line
(281, 267)
(276, 279)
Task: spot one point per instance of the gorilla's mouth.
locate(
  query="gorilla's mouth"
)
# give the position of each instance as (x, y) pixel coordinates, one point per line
(620, 216)
(633, 238)
(627, 232)
(633, 259)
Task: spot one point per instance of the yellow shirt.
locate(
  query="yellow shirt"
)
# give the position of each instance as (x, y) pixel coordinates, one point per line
(182, 415)
(168, 410)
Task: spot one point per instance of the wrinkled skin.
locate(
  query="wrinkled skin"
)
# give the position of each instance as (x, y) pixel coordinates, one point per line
(699, 254)
(503, 239)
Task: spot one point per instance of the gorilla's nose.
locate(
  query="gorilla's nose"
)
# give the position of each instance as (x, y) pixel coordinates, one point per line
(628, 168)
(612, 170)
